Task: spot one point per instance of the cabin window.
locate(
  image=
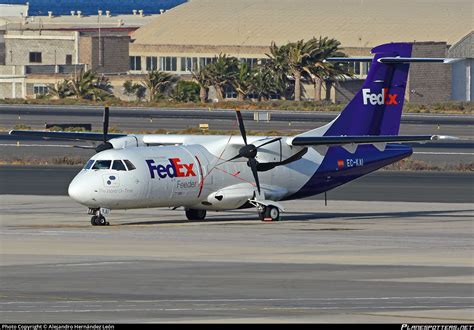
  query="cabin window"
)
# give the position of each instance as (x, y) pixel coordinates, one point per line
(118, 166)
(102, 165)
(129, 164)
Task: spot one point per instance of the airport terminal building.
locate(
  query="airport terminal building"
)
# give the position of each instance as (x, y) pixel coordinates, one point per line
(189, 36)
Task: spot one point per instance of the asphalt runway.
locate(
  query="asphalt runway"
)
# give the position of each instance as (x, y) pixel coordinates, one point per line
(444, 187)
(149, 119)
(349, 262)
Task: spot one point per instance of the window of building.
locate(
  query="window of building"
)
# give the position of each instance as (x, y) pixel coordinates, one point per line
(151, 63)
(365, 68)
(135, 63)
(189, 64)
(230, 92)
(357, 68)
(35, 57)
(168, 63)
(251, 62)
(203, 61)
(40, 89)
(69, 59)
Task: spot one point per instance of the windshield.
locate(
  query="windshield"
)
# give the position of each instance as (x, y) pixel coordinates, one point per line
(118, 165)
(130, 166)
(102, 165)
(89, 164)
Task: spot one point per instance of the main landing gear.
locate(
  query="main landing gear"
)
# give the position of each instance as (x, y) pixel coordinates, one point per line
(268, 213)
(98, 218)
(194, 214)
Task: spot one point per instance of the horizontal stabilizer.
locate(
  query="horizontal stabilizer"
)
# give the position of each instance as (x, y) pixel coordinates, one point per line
(364, 139)
(391, 60)
(395, 60)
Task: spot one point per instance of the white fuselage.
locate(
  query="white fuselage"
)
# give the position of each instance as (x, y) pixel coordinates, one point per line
(191, 176)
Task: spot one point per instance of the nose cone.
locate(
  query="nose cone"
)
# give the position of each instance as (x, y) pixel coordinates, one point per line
(80, 190)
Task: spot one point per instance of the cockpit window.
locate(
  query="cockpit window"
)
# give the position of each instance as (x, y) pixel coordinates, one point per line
(89, 164)
(102, 165)
(118, 165)
(129, 164)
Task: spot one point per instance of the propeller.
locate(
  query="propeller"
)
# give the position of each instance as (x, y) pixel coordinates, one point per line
(105, 130)
(250, 151)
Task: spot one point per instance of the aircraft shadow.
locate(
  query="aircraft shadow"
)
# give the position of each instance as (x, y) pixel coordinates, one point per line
(306, 216)
(315, 216)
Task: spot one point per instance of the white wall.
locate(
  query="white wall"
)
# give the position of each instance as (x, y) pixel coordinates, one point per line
(462, 88)
(13, 10)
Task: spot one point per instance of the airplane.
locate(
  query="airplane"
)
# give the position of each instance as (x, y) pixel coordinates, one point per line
(216, 173)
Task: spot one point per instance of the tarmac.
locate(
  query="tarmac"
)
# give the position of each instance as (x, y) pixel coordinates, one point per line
(352, 261)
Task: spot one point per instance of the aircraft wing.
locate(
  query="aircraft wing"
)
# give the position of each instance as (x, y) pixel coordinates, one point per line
(363, 139)
(86, 136)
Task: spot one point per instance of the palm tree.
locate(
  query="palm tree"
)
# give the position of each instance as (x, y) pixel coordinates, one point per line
(242, 81)
(158, 83)
(263, 83)
(297, 56)
(61, 89)
(222, 72)
(318, 70)
(278, 63)
(81, 86)
(202, 78)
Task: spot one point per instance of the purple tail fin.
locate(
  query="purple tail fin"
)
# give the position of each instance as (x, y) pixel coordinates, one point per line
(376, 109)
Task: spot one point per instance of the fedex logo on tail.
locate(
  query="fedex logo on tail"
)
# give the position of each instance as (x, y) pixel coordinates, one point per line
(172, 170)
(379, 99)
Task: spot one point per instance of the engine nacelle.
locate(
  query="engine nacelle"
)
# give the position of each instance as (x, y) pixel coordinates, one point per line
(231, 197)
(129, 141)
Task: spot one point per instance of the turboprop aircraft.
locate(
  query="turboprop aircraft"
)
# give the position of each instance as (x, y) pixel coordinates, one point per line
(202, 173)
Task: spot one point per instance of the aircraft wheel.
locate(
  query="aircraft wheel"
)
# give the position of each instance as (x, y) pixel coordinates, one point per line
(94, 220)
(261, 214)
(272, 212)
(101, 221)
(193, 214)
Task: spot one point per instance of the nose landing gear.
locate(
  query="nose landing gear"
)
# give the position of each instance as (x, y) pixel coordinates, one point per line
(98, 219)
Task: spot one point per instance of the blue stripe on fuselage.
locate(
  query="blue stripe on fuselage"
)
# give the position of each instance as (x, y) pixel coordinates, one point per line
(366, 159)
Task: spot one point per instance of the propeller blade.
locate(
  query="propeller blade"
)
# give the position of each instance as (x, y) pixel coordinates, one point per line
(241, 126)
(262, 167)
(84, 147)
(105, 122)
(229, 160)
(253, 166)
(268, 142)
